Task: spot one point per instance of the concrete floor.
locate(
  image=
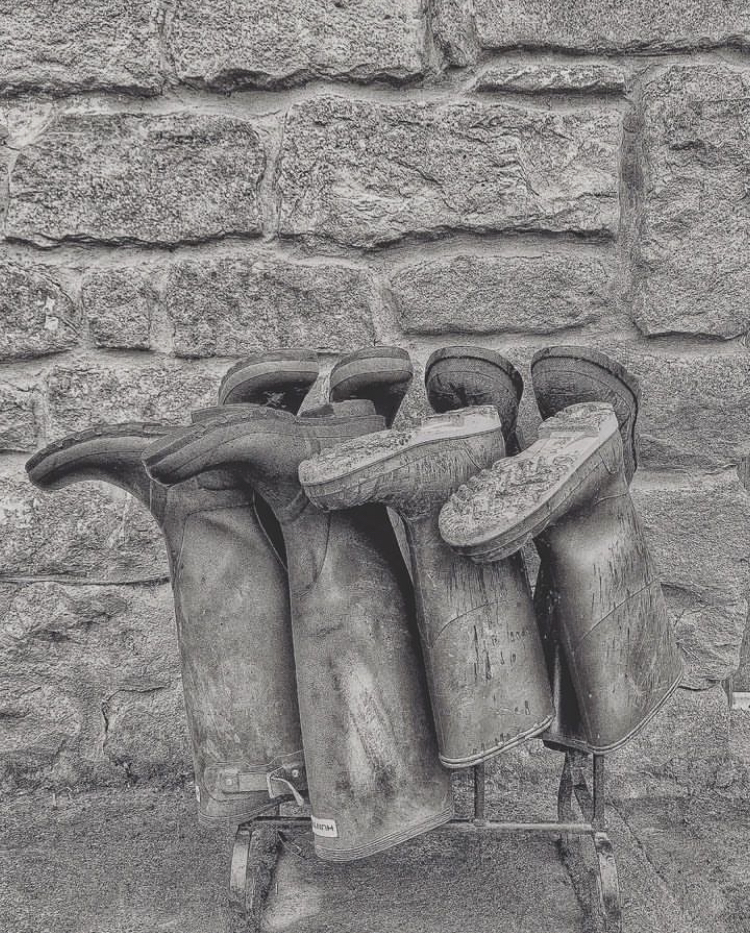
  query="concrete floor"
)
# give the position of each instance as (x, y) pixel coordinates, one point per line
(134, 861)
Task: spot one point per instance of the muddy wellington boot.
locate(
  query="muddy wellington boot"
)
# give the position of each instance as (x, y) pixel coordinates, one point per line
(459, 377)
(372, 768)
(563, 376)
(484, 660)
(232, 610)
(569, 493)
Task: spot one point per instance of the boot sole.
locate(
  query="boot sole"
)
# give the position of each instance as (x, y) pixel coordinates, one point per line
(385, 452)
(271, 372)
(63, 452)
(529, 508)
(469, 354)
(377, 367)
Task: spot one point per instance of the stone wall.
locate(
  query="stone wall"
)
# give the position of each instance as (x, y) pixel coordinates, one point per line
(182, 182)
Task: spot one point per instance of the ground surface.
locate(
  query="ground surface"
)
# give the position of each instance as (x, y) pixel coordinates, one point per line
(135, 862)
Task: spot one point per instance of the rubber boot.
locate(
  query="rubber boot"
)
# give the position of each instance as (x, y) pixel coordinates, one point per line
(564, 376)
(232, 607)
(569, 493)
(459, 377)
(484, 660)
(372, 769)
(381, 375)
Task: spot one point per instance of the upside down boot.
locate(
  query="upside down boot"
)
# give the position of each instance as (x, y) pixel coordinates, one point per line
(481, 648)
(460, 377)
(373, 774)
(568, 491)
(231, 604)
(381, 375)
(564, 376)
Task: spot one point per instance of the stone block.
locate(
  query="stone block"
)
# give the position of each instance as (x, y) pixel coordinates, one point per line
(118, 304)
(610, 26)
(679, 752)
(698, 530)
(244, 43)
(695, 406)
(61, 48)
(553, 79)
(81, 394)
(540, 294)
(38, 315)
(18, 428)
(231, 306)
(453, 29)
(137, 178)
(364, 173)
(692, 273)
(86, 531)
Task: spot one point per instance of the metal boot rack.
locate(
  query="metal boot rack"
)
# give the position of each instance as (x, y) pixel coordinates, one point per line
(597, 888)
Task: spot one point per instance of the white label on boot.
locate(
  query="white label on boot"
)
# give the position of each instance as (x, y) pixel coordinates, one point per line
(324, 827)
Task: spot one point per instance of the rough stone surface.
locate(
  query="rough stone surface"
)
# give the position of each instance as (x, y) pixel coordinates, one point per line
(680, 751)
(118, 304)
(698, 530)
(232, 306)
(453, 27)
(482, 295)
(80, 394)
(612, 25)
(111, 705)
(138, 178)
(18, 429)
(248, 44)
(61, 48)
(553, 79)
(365, 173)
(85, 531)
(695, 406)
(38, 316)
(693, 270)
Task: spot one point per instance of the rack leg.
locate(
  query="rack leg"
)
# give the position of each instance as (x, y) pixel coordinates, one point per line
(599, 887)
(254, 856)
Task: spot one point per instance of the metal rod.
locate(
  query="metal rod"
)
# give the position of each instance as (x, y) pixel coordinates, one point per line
(464, 825)
(479, 791)
(598, 817)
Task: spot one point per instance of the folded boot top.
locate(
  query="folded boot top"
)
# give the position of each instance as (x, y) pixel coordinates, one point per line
(485, 666)
(381, 375)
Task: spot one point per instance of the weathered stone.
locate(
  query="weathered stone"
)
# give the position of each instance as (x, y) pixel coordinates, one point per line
(695, 406)
(364, 173)
(91, 640)
(698, 529)
(38, 317)
(615, 25)
(38, 724)
(137, 178)
(18, 430)
(553, 79)
(453, 28)
(118, 304)
(80, 394)
(227, 307)
(86, 531)
(244, 43)
(679, 751)
(95, 44)
(482, 295)
(693, 269)
(146, 732)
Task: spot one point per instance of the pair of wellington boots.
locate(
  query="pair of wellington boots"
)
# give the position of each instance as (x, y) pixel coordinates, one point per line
(610, 649)
(230, 594)
(373, 773)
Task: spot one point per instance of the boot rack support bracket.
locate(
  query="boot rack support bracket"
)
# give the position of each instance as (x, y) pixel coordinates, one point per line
(594, 879)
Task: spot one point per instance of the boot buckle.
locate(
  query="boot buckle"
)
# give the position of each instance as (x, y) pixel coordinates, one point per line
(281, 782)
